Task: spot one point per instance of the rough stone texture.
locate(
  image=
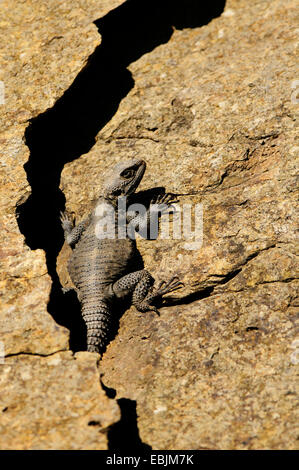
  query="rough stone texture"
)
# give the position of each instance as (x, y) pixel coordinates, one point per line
(54, 402)
(213, 113)
(44, 45)
(41, 54)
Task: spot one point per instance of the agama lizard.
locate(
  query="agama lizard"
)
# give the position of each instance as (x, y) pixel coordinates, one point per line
(104, 269)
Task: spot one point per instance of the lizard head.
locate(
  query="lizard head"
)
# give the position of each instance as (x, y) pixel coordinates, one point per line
(124, 178)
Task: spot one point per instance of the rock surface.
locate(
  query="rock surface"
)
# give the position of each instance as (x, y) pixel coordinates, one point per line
(55, 402)
(213, 111)
(44, 45)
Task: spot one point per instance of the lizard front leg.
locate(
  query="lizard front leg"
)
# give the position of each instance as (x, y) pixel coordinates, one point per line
(140, 284)
(147, 223)
(72, 233)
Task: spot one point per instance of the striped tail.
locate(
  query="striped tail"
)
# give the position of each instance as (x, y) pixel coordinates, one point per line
(97, 317)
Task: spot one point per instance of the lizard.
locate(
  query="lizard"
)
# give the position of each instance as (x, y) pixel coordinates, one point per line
(103, 269)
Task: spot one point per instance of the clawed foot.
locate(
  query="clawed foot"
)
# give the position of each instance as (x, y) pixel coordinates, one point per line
(67, 221)
(168, 286)
(165, 202)
(165, 287)
(65, 290)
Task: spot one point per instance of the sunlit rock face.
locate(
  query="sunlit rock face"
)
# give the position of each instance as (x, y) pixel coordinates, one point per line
(209, 100)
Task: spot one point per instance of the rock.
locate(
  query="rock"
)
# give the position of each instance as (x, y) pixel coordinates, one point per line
(54, 402)
(217, 369)
(45, 45)
(212, 110)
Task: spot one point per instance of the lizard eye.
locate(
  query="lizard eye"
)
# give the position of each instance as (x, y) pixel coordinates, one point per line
(128, 174)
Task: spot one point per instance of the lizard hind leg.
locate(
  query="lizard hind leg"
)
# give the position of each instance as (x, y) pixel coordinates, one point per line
(140, 283)
(137, 283)
(165, 287)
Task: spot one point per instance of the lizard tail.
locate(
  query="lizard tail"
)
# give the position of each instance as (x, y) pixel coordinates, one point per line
(97, 318)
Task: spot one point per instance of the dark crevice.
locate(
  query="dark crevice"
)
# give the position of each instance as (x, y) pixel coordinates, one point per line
(66, 311)
(229, 276)
(256, 253)
(124, 435)
(201, 294)
(188, 299)
(69, 129)
(110, 392)
(252, 328)
(28, 353)
(288, 279)
(94, 423)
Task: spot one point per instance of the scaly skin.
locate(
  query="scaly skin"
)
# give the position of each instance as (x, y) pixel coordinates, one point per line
(105, 269)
